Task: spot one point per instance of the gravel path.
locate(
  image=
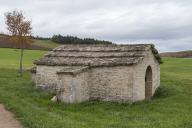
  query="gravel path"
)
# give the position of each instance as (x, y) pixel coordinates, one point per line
(7, 120)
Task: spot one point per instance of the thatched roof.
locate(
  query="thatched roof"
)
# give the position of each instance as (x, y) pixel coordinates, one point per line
(97, 55)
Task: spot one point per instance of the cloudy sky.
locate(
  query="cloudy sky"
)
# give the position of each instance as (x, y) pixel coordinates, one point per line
(166, 23)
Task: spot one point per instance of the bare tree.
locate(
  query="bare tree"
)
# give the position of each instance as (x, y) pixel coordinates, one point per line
(20, 32)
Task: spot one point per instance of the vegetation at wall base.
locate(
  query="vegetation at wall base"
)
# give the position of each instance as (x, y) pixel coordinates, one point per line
(170, 107)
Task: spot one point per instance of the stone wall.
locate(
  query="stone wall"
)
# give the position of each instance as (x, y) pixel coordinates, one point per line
(73, 88)
(139, 76)
(111, 83)
(117, 83)
(46, 77)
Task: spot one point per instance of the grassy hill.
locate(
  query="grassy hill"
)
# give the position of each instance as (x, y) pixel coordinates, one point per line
(37, 44)
(170, 108)
(182, 54)
(45, 44)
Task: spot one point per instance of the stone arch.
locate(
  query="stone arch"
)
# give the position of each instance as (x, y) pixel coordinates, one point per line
(148, 83)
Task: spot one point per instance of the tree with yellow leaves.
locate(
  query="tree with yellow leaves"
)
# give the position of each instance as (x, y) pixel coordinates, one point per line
(20, 32)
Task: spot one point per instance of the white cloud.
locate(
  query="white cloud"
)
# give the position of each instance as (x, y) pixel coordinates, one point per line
(166, 23)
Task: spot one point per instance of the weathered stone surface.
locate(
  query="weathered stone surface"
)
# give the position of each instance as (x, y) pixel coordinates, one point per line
(73, 89)
(97, 55)
(140, 73)
(116, 82)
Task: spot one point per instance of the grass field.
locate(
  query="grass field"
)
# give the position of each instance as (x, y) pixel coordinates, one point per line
(170, 108)
(9, 58)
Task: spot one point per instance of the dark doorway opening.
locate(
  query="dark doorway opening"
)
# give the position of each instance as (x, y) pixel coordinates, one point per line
(148, 83)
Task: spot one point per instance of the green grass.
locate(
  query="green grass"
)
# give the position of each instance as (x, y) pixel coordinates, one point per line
(9, 58)
(170, 108)
(45, 44)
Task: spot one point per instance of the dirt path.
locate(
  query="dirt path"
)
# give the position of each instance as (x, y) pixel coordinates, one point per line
(7, 120)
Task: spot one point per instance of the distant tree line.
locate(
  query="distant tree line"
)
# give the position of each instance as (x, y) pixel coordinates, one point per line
(3, 35)
(68, 39)
(75, 40)
(41, 38)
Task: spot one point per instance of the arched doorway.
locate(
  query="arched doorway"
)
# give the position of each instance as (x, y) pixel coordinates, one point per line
(148, 83)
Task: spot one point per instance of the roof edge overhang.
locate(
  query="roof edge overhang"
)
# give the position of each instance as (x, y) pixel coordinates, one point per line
(156, 54)
(48, 61)
(73, 70)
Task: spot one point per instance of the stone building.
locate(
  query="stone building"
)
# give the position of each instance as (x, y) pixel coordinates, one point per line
(120, 73)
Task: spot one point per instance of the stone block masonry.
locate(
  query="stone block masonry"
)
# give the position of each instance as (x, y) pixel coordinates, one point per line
(114, 73)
